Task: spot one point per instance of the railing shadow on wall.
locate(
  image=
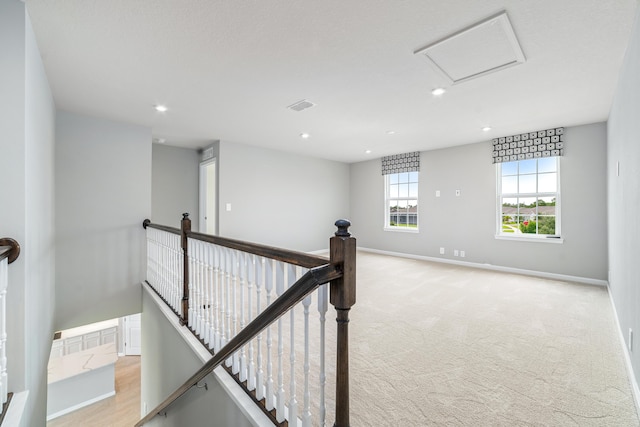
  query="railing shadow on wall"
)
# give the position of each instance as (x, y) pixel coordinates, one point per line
(9, 252)
(234, 295)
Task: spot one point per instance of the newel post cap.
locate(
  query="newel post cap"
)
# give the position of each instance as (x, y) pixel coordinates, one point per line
(343, 228)
(145, 223)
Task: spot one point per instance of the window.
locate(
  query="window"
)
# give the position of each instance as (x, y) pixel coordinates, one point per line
(529, 198)
(401, 201)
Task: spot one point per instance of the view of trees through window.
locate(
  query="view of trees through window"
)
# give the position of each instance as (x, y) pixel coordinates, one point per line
(402, 200)
(528, 196)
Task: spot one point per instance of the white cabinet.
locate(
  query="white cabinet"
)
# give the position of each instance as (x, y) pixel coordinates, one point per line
(72, 344)
(90, 340)
(107, 336)
(57, 349)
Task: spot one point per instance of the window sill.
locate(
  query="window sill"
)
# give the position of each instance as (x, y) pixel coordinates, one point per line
(402, 229)
(536, 239)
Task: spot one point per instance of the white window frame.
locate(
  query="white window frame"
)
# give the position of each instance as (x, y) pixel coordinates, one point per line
(530, 237)
(388, 198)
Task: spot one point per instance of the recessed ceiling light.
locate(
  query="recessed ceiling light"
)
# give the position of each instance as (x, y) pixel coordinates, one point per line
(486, 129)
(391, 132)
(304, 135)
(161, 108)
(438, 91)
(368, 151)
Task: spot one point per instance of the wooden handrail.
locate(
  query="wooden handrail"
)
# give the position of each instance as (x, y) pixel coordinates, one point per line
(291, 257)
(297, 292)
(147, 223)
(9, 248)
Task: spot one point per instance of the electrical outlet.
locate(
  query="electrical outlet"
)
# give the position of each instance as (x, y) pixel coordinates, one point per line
(630, 340)
(461, 254)
(228, 207)
(144, 408)
(455, 252)
(441, 251)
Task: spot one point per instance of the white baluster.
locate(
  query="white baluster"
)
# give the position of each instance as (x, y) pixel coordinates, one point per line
(235, 364)
(242, 266)
(306, 412)
(228, 279)
(259, 371)
(4, 389)
(217, 262)
(210, 284)
(323, 304)
(280, 393)
(251, 374)
(224, 302)
(293, 403)
(191, 321)
(268, 289)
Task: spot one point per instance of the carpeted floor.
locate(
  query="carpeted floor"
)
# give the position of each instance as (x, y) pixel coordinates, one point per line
(441, 345)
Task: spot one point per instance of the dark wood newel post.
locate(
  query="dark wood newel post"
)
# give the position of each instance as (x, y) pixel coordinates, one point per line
(185, 226)
(343, 297)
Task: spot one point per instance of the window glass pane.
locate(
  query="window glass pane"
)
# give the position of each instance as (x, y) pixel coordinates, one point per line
(509, 184)
(547, 164)
(393, 191)
(402, 205)
(547, 224)
(509, 211)
(403, 177)
(509, 168)
(413, 176)
(547, 182)
(413, 190)
(527, 166)
(393, 178)
(527, 184)
(403, 190)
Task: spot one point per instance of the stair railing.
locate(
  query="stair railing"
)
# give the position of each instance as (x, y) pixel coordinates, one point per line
(9, 252)
(223, 290)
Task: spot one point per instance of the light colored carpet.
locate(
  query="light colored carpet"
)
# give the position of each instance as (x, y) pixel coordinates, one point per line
(441, 345)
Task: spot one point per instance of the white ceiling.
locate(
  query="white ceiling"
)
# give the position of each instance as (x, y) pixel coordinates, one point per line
(227, 70)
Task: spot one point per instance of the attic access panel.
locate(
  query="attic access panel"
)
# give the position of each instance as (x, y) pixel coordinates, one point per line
(485, 47)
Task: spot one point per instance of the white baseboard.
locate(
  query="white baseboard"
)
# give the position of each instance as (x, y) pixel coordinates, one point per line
(543, 274)
(80, 405)
(627, 360)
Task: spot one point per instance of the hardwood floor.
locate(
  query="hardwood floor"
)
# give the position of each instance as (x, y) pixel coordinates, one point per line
(123, 409)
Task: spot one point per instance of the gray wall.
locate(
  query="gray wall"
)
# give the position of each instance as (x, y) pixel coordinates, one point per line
(279, 198)
(103, 193)
(175, 181)
(624, 195)
(468, 222)
(168, 361)
(26, 206)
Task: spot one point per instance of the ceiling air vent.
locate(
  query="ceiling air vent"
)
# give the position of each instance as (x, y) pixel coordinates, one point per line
(485, 47)
(301, 105)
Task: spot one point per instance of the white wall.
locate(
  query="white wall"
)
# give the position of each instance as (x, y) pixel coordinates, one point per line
(468, 222)
(279, 198)
(26, 206)
(175, 181)
(103, 193)
(624, 195)
(167, 362)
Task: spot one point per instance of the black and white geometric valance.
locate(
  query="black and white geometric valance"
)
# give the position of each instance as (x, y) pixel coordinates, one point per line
(407, 162)
(544, 143)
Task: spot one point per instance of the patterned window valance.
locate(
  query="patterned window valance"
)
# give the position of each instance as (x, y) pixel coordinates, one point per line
(407, 162)
(544, 143)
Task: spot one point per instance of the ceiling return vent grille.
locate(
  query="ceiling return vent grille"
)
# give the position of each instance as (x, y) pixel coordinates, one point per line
(301, 105)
